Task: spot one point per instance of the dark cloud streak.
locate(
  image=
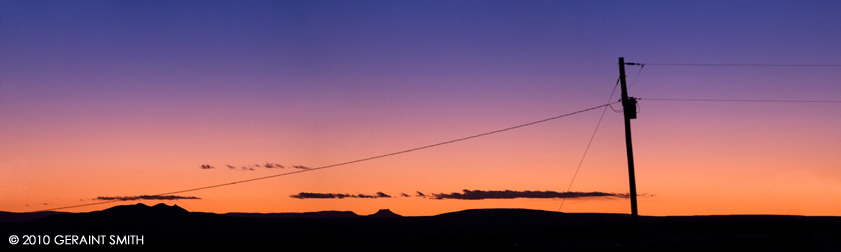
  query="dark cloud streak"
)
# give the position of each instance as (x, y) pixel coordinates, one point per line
(273, 166)
(254, 167)
(301, 167)
(469, 195)
(308, 195)
(509, 194)
(146, 197)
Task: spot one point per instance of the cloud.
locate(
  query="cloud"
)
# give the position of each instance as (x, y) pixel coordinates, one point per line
(146, 197)
(273, 165)
(308, 195)
(254, 167)
(470, 195)
(509, 194)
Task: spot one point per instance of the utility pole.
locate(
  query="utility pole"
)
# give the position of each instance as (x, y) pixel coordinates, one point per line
(629, 105)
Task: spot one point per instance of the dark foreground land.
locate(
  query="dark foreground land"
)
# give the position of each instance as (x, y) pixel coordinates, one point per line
(171, 227)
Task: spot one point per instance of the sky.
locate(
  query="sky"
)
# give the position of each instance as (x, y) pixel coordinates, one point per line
(103, 100)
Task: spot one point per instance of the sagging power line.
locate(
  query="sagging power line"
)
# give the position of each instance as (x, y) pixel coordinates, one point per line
(629, 105)
(589, 143)
(349, 162)
(739, 100)
(739, 65)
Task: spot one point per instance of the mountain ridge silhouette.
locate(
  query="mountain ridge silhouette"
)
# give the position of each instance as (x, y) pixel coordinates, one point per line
(167, 227)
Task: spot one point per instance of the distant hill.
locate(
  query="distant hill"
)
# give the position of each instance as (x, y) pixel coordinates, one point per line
(385, 213)
(172, 227)
(6, 217)
(308, 215)
(140, 208)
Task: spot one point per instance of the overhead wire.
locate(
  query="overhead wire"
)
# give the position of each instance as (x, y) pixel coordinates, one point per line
(742, 65)
(637, 75)
(589, 143)
(739, 65)
(516, 127)
(350, 162)
(642, 65)
(739, 100)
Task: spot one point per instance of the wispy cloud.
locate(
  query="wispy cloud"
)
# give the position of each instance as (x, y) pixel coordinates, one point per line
(308, 195)
(254, 167)
(273, 166)
(509, 194)
(146, 197)
(469, 195)
(301, 167)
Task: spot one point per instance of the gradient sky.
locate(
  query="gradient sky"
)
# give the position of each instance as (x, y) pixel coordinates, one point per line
(122, 98)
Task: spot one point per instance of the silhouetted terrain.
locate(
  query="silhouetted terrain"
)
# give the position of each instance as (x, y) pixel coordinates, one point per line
(6, 217)
(165, 227)
(311, 215)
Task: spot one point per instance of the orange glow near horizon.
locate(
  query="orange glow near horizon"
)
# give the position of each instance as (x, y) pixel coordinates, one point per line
(729, 171)
(131, 98)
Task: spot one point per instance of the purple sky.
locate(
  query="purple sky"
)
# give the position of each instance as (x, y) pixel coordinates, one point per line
(107, 89)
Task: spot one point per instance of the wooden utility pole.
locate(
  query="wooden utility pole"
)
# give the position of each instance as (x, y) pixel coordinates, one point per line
(629, 105)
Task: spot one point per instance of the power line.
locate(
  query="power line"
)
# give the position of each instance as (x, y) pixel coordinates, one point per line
(637, 76)
(574, 175)
(740, 100)
(349, 162)
(742, 65)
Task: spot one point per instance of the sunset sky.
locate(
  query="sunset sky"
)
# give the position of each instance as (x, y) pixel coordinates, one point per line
(128, 98)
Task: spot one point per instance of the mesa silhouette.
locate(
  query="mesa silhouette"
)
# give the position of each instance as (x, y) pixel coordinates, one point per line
(167, 227)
